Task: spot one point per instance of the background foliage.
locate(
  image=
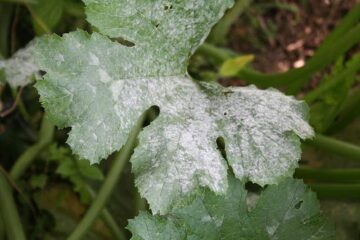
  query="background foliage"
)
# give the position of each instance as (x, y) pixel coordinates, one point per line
(312, 45)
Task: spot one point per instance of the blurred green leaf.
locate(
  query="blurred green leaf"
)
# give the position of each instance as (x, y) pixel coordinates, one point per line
(78, 172)
(348, 113)
(46, 15)
(328, 98)
(233, 66)
(89, 171)
(38, 181)
(18, 1)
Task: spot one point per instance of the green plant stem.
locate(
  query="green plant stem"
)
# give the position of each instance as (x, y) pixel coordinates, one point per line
(2, 228)
(350, 20)
(337, 191)
(328, 175)
(106, 190)
(221, 29)
(20, 104)
(109, 220)
(217, 54)
(322, 57)
(327, 53)
(24, 161)
(111, 223)
(9, 212)
(335, 146)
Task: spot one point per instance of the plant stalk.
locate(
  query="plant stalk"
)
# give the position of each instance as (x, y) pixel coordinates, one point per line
(337, 191)
(221, 29)
(25, 160)
(106, 190)
(109, 220)
(328, 175)
(20, 104)
(335, 146)
(9, 212)
(323, 57)
(113, 226)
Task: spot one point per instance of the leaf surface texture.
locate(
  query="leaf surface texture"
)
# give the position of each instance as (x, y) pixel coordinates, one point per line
(282, 212)
(100, 88)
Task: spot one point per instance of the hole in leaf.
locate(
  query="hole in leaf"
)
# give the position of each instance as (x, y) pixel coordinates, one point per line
(220, 142)
(151, 114)
(253, 187)
(253, 194)
(166, 7)
(123, 41)
(298, 205)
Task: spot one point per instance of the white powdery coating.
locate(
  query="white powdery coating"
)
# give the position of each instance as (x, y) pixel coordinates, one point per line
(100, 89)
(176, 28)
(258, 128)
(179, 147)
(20, 68)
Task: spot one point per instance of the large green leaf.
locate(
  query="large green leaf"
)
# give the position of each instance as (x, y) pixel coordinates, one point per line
(99, 88)
(282, 212)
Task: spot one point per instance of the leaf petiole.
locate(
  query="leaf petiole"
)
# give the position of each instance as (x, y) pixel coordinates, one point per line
(337, 191)
(335, 146)
(121, 158)
(9, 212)
(328, 175)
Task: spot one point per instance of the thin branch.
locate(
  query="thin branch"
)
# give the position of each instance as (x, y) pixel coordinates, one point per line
(13, 106)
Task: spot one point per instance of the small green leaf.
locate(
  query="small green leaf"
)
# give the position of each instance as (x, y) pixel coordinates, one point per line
(78, 172)
(286, 211)
(89, 171)
(233, 66)
(38, 181)
(327, 99)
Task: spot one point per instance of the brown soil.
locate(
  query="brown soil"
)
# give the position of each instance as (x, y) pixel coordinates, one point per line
(295, 37)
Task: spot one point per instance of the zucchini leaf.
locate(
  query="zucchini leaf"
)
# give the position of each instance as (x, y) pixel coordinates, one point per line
(100, 88)
(282, 212)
